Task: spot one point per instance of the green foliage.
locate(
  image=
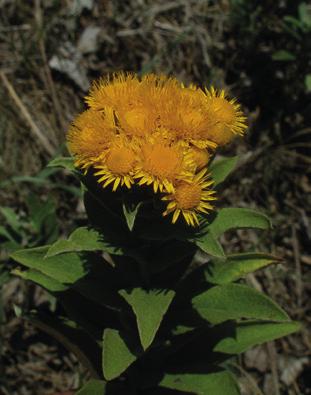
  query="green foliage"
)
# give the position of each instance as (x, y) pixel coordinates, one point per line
(250, 334)
(11, 218)
(64, 162)
(38, 227)
(140, 314)
(39, 278)
(221, 168)
(234, 267)
(283, 56)
(301, 22)
(208, 243)
(218, 383)
(236, 218)
(227, 219)
(82, 239)
(66, 268)
(236, 301)
(93, 387)
(130, 213)
(308, 83)
(149, 308)
(117, 356)
(45, 179)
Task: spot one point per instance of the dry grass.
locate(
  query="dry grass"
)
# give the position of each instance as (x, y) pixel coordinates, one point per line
(196, 40)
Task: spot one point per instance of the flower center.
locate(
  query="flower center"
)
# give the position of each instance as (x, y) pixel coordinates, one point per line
(120, 160)
(188, 196)
(224, 110)
(162, 161)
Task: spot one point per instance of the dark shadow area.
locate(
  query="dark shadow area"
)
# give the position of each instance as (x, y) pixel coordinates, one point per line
(259, 52)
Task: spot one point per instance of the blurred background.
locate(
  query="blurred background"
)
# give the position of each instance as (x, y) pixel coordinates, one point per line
(258, 50)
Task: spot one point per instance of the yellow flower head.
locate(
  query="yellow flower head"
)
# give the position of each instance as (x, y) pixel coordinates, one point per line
(228, 117)
(190, 198)
(182, 112)
(89, 135)
(118, 163)
(120, 91)
(137, 121)
(162, 162)
(200, 157)
(155, 131)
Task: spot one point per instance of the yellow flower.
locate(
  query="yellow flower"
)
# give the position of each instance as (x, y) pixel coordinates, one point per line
(228, 117)
(89, 135)
(143, 106)
(190, 198)
(119, 91)
(162, 162)
(182, 112)
(154, 130)
(200, 157)
(117, 164)
(137, 121)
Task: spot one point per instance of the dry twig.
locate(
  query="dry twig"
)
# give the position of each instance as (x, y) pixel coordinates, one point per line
(25, 113)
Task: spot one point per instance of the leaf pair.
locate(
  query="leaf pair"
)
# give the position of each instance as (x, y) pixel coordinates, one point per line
(149, 308)
(53, 273)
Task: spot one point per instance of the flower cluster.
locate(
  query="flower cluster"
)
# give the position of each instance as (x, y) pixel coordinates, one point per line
(157, 132)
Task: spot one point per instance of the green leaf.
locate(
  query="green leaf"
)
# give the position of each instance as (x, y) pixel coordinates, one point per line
(11, 218)
(294, 23)
(221, 168)
(117, 357)
(234, 218)
(149, 308)
(60, 247)
(10, 246)
(4, 276)
(235, 301)
(304, 11)
(5, 233)
(82, 239)
(62, 161)
(93, 387)
(217, 383)
(283, 56)
(308, 83)
(41, 279)
(249, 334)
(222, 271)
(226, 219)
(18, 311)
(66, 268)
(40, 211)
(130, 213)
(209, 244)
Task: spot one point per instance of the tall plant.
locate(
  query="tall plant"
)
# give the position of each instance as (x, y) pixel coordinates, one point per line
(140, 310)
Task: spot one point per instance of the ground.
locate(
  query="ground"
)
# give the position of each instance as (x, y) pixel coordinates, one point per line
(50, 51)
